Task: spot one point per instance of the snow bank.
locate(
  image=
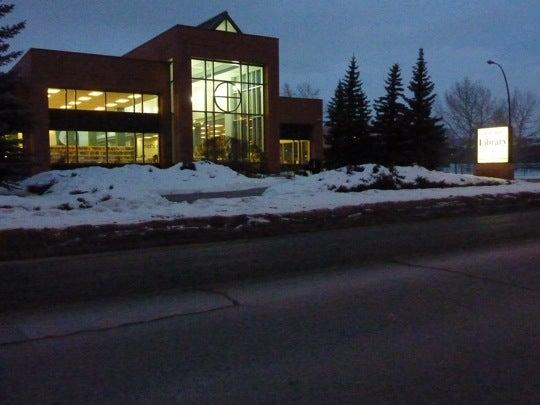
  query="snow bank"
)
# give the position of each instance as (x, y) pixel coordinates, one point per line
(131, 180)
(133, 193)
(371, 176)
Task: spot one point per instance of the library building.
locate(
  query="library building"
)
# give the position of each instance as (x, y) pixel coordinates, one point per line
(191, 93)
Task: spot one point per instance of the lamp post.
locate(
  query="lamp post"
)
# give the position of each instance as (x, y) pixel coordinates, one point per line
(510, 132)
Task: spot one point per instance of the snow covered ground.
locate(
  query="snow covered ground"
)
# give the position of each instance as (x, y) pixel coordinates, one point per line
(133, 194)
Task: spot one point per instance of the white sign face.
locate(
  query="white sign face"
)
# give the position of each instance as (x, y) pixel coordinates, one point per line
(493, 145)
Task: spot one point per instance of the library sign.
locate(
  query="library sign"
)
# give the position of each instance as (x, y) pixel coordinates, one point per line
(493, 145)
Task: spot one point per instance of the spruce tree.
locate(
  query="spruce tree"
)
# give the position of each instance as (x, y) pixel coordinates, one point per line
(348, 120)
(424, 132)
(335, 138)
(13, 115)
(389, 126)
(357, 117)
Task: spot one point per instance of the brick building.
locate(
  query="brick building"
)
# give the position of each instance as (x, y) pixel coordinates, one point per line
(190, 93)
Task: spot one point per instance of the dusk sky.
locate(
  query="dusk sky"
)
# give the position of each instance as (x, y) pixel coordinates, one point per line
(317, 38)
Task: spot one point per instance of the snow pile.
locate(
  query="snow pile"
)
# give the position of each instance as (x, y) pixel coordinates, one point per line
(91, 186)
(133, 193)
(371, 176)
(124, 194)
(417, 175)
(132, 180)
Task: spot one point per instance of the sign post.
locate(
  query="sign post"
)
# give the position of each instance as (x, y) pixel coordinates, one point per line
(494, 153)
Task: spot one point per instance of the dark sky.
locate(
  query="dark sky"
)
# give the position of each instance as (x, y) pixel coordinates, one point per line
(318, 37)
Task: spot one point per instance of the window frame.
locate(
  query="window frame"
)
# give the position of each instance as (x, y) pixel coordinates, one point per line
(252, 128)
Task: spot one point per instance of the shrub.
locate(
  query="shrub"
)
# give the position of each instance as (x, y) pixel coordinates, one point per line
(40, 189)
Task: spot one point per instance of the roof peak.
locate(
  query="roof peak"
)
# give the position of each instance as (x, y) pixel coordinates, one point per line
(215, 22)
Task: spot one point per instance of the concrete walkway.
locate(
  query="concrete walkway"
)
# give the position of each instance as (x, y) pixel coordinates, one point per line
(191, 197)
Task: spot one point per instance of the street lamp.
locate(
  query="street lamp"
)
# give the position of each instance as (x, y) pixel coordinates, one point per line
(491, 62)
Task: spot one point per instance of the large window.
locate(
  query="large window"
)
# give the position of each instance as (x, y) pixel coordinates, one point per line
(228, 111)
(293, 152)
(96, 100)
(94, 147)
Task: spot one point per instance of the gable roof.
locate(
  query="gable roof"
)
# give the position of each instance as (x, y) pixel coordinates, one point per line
(214, 22)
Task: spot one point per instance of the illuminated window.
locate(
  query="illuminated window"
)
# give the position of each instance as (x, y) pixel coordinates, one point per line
(57, 97)
(121, 147)
(293, 152)
(16, 139)
(228, 111)
(120, 102)
(94, 147)
(150, 104)
(13, 147)
(139, 147)
(98, 100)
(90, 100)
(71, 100)
(151, 148)
(138, 102)
(58, 147)
(226, 26)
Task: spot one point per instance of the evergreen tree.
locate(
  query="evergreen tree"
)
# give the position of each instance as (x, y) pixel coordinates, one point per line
(389, 126)
(348, 119)
(13, 115)
(336, 124)
(425, 132)
(357, 117)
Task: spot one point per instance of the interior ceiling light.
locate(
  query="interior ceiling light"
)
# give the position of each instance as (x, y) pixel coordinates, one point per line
(84, 98)
(110, 105)
(99, 109)
(122, 100)
(95, 93)
(53, 91)
(132, 96)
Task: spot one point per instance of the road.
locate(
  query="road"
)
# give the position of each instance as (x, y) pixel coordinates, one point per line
(457, 325)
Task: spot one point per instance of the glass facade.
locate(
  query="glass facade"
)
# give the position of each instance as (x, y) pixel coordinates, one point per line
(228, 111)
(293, 152)
(96, 100)
(95, 147)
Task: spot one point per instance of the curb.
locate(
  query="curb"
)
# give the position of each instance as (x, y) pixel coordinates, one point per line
(20, 244)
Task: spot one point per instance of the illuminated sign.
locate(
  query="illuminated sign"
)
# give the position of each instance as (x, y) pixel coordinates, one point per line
(493, 144)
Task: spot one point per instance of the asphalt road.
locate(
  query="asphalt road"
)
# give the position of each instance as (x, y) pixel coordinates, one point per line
(68, 278)
(461, 325)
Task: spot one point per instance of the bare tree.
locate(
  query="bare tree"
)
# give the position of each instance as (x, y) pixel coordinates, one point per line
(287, 91)
(306, 90)
(303, 90)
(525, 117)
(468, 106)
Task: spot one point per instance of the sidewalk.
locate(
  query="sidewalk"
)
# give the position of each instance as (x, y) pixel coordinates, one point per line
(191, 197)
